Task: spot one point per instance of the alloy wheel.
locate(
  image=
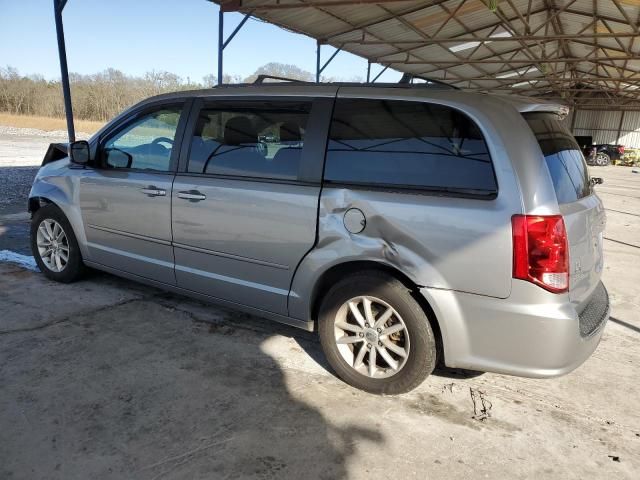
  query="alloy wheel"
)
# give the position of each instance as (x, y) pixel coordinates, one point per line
(53, 245)
(371, 337)
(601, 160)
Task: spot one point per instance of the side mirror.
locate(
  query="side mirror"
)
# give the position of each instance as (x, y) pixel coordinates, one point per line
(116, 158)
(79, 152)
(597, 180)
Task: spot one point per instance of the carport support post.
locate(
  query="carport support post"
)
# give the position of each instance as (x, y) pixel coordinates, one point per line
(368, 70)
(220, 43)
(573, 121)
(58, 6)
(620, 127)
(320, 69)
(379, 74)
(318, 62)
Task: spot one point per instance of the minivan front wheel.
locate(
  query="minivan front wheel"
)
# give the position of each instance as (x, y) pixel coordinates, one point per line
(54, 245)
(375, 335)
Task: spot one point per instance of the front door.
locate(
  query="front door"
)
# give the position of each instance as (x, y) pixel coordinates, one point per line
(126, 200)
(245, 206)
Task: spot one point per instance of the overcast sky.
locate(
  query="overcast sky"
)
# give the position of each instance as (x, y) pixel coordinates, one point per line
(137, 36)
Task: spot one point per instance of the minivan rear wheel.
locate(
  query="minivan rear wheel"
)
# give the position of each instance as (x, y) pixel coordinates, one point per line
(375, 335)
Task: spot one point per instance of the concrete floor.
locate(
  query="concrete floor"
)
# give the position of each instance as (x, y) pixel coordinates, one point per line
(108, 379)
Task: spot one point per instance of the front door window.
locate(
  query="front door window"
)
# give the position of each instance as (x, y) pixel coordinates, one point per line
(145, 144)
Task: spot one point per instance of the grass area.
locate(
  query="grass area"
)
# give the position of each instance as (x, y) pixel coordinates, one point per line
(47, 123)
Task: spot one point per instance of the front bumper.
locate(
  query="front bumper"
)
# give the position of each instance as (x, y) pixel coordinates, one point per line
(533, 333)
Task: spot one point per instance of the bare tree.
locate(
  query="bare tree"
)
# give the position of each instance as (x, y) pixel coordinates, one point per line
(102, 95)
(281, 70)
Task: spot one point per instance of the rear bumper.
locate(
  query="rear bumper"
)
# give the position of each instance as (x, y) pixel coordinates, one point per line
(532, 333)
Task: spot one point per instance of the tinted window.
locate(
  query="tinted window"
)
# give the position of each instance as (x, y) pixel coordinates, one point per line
(256, 139)
(407, 144)
(563, 156)
(145, 144)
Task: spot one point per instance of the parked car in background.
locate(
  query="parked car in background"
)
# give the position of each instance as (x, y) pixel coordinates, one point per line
(599, 154)
(590, 155)
(607, 154)
(585, 142)
(408, 225)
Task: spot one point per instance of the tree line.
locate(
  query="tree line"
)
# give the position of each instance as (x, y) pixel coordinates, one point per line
(102, 95)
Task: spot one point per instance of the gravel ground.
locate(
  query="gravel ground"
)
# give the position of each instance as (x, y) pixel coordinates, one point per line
(21, 152)
(35, 132)
(15, 183)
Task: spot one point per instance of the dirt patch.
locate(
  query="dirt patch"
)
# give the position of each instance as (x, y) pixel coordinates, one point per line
(47, 124)
(435, 406)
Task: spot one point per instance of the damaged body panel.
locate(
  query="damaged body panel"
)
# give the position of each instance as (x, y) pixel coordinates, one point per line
(441, 239)
(414, 234)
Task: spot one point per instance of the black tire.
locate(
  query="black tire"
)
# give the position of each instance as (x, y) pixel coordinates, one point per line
(421, 359)
(74, 267)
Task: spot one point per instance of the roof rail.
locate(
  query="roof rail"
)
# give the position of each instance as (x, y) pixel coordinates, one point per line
(262, 77)
(407, 78)
(405, 82)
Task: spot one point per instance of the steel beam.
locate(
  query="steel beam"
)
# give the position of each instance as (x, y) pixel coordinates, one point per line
(320, 69)
(236, 30)
(369, 72)
(58, 6)
(513, 38)
(222, 43)
(520, 61)
(620, 127)
(318, 62)
(236, 5)
(380, 74)
(514, 79)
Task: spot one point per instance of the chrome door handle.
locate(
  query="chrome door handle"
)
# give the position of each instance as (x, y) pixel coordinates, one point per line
(192, 195)
(152, 191)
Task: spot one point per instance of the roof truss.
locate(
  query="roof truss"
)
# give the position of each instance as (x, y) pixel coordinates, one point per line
(556, 48)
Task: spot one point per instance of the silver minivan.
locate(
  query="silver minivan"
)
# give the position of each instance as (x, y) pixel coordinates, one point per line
(408, 225)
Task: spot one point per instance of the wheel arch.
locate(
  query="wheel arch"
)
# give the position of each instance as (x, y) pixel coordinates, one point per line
(340, 270)
(36, 203)
(56, 196)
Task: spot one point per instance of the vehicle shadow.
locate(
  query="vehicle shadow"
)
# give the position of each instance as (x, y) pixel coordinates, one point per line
(160, 386)
(311, 345)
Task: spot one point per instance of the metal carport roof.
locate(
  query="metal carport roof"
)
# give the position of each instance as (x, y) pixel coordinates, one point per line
(583, 52)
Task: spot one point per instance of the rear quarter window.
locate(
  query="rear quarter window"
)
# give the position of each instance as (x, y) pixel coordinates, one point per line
(563, 156)
(405, 144)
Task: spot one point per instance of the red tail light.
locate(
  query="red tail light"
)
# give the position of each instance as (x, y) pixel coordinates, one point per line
(540, 251)
(621, 150)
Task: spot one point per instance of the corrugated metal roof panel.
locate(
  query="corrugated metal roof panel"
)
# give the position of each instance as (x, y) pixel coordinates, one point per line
(340, 21)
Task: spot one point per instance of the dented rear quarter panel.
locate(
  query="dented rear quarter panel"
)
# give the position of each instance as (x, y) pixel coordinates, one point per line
(439, 242)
